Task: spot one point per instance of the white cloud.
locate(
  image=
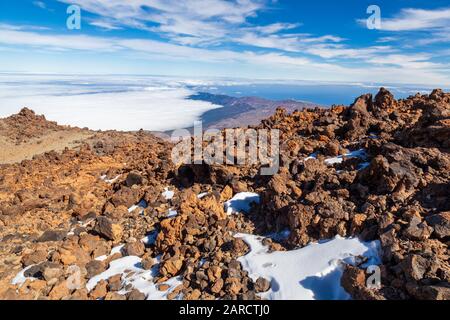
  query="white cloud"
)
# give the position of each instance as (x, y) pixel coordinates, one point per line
(105, 25)
(273, 28)
(417, 19)
(189, 21)
(40, 4)
(391, 68)
(412, 61)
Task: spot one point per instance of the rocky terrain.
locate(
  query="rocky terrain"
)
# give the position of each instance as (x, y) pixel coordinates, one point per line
(378, 170)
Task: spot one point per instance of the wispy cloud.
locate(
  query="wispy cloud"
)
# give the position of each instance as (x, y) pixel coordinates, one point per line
(400, 68)
(418, 19)
(190, 21)
(40, 4)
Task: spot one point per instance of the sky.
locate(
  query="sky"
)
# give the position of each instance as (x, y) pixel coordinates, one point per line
(321, 40)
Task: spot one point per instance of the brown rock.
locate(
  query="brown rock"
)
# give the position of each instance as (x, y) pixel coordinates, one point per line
(233, 285)
(136, 295)
(194, 295)
(34, 257)
(262, 285)
(440, 223)
(214, 273)
(59, 291)
(94, 268)
(226, 194)
(107, 229)
(147, 262)
(136, 248)
(115, 282)
(171, 267)
(125, 197)
(217, 286)
(115, 296)
(418, 230)
(134, 178)
(163, 287)
(100, 290)
(415, 266)
(51, 273)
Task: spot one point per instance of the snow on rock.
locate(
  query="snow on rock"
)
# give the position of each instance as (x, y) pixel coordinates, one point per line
(311, 156)
(150, 238)
(133, 275)
(361, 153)
(167, 194)
(202, 195)
(309, 273)
(110, 181)
(172, 213)
(20, 278)
(142, 204)
(241, 202)
(114, 250)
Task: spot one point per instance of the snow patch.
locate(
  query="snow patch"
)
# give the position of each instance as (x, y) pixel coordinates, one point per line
(167, 194)
(309, 273)
(172, 213)
(142, 205)
(361, 154)
(109, 181)
(20, 278)
(241, 202)
(202, 195)
(133, 275)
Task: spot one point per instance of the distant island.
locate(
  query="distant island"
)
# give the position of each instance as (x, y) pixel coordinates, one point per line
(243, 111)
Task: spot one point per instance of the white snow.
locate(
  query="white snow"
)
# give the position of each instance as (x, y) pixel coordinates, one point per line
(311, 156)
(20, 278)
(172, 213)
(202, 195)
(133, 274)
(167, 194)
(110, 181)
(361, 154)
(309, 273)
(241, 202)
(142, 205)
(150, 238)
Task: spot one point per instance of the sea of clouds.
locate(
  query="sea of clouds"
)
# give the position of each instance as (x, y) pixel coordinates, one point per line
(104, 103)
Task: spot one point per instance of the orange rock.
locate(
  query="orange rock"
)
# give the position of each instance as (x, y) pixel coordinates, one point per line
(59, 291)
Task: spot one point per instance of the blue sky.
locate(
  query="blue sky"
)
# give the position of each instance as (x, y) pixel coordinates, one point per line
(320, 40)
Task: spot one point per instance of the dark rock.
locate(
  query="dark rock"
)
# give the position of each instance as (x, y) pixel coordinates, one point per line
(134, 178)
(52, 235)
(440, 223)
(94, 268)
(136, 295)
